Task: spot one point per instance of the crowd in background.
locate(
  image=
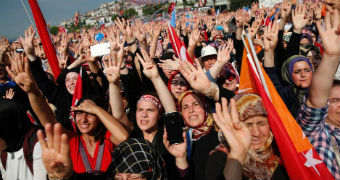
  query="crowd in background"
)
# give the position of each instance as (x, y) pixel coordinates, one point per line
(119, 127)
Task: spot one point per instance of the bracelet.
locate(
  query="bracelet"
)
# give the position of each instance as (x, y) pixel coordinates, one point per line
(131, 43)
(211, 91)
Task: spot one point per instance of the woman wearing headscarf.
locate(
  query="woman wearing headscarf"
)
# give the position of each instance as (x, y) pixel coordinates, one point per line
(60, 93)
(202, 135)
(262, 160)
(296, 73)
(151, 111)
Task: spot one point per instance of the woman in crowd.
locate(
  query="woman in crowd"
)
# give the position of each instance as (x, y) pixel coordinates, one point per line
(262, 160)
(296, 72)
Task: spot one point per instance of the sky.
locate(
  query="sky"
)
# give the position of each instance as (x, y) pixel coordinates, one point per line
(14, 21)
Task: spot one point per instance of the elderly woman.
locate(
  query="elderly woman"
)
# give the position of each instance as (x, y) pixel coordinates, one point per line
(261, 160)
(202, 134)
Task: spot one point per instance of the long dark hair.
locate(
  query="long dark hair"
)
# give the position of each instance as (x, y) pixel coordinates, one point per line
(100, 129)
(14, 124)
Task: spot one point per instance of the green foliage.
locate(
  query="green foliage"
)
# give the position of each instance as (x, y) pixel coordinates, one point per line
(149, 10)
(54, 30)
(236, 4)
(188, 3)
(114, 17)
(129, 13)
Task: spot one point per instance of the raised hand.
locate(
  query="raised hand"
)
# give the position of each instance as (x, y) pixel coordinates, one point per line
(331, 34)
(21, 74)
(124, 27)
(62, 59)
(55, 152)
(285, 10)
(149, 66)
(223, 55)
(87, 106)
(299, 18)
(9, 94)
(317, 11)
(27, 43)
(235, 132)
(170, 64)
(271, 36)
(139, 32)
(255, 27)
(112, 68)
(177, 150)
(195, 76)
(4, 44)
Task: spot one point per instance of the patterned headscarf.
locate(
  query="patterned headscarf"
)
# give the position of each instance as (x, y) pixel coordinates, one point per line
(137, 156)
(208, 122)
(153, 99)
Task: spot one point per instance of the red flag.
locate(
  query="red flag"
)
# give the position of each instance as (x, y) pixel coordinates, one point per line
(299, 157)
(77, 95)
(45, 37)
(178, 45)
(171, 7)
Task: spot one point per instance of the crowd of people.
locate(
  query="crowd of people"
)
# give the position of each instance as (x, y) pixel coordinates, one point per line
(119, 128)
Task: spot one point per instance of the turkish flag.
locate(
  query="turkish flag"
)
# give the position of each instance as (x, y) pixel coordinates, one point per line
(178, 45)
(298, 155)
(77, 95)
(171, 7)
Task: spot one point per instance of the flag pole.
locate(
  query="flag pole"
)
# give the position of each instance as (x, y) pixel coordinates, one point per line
(258, 66)
(179, 53)
(28, 15)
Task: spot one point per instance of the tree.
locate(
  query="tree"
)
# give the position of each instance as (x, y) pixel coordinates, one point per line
(236, 4)
(129, 13)
(54, 30)
(149, 10)
(114, 17)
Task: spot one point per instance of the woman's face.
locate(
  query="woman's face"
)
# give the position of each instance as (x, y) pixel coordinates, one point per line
(129, 176)
(167, 72)
(302, 74)
(178, 86)
(86, 122)
(230, 84)
(193, 111)
(70, 81)
(259, 130)
(147, 116)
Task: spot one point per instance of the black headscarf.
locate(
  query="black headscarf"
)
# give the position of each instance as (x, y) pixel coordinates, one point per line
(137, 156)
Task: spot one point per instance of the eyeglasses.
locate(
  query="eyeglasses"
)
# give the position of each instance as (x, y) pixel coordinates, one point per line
(334, 102)
(180, 83)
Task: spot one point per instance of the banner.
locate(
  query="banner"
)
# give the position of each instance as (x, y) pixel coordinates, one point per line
(45, 38)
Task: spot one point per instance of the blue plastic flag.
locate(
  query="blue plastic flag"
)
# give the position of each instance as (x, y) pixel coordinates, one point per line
(173, 18)
(99, 37)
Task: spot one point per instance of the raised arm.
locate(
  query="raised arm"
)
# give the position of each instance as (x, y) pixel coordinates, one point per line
(237, 135)
(223, 56)
(150, 71)
(112, 70)
(117, 130)
(21, 74)
(198, 80)
(270, 41)
(157, 31)
(323, 77)
(194, 36)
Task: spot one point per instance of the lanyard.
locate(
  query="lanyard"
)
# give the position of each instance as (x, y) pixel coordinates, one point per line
(86, 160)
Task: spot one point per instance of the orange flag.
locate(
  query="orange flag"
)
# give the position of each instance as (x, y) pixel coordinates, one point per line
(297, 153)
